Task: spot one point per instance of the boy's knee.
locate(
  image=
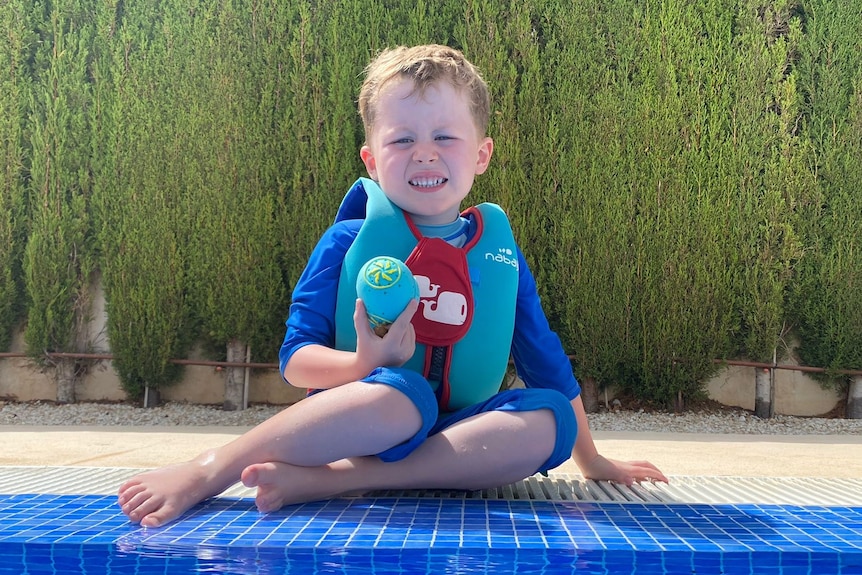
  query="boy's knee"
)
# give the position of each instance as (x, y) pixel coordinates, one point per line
(418, 391)
(410, 384)
(565, 423)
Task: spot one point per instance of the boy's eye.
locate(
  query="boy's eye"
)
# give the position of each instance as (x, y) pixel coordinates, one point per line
(443, 137)
(402, 141)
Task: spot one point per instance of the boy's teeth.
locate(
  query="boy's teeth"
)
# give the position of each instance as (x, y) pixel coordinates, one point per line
(427, 182)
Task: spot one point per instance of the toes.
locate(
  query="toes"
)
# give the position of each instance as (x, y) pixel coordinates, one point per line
(250, 476)
(154, 512)
(267, 501)
(128, 491)
(164, 515)
(140, 506)
(262, 476)
(149, 521)
(256, 475)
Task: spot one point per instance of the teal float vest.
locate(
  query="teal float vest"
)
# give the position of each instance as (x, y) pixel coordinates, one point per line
(474, 352)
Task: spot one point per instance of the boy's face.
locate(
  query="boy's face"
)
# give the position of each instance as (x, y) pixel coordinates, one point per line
(425, 150)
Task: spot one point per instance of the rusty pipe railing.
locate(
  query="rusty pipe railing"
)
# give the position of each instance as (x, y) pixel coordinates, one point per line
(264, 365)
(109, 357)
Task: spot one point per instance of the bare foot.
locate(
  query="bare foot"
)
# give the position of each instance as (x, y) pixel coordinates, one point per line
(157, 497)
(280, 484)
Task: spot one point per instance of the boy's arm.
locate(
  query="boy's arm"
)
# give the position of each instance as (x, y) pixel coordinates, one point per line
(595, 466)
(320, 367)
(316, 366)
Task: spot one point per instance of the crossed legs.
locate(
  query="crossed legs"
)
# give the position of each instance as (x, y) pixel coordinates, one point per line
(324, 446)
(486, 450)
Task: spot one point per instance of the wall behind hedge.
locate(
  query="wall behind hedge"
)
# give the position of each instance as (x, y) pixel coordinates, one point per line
(683, 176)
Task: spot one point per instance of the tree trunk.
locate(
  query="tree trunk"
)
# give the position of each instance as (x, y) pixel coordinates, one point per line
(152, 397)
(679, 402)
(590, 395)
(234, 387)
(854, 398)
(764, 393)
(65, 378)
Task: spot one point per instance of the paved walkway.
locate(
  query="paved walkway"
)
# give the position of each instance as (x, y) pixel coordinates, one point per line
(675, 454)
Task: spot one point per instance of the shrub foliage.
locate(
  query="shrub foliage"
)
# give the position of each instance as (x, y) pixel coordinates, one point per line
(683, 177)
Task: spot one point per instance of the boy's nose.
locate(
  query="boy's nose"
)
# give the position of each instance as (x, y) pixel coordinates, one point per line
(425, 153)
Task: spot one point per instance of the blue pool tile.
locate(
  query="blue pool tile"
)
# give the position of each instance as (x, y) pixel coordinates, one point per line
(40, 532)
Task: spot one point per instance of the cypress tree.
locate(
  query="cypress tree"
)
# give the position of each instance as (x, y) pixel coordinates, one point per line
(586, 205)
(13, 87)
(57, 258)
(644, 270)
(501, 40)
(767, 161)
(143, 229)
(302, 202)
(326, 52)
(828, 302)
(235, 249)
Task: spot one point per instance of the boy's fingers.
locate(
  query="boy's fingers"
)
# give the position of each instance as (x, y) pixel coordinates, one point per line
(407, 315)
(360, 318)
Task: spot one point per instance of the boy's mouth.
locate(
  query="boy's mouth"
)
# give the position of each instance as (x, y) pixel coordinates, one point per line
(428, 182)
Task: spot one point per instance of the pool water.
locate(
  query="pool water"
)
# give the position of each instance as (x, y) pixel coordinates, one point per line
(87, 534)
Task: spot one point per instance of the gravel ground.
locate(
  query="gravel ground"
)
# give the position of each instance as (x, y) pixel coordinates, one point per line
(732, 421)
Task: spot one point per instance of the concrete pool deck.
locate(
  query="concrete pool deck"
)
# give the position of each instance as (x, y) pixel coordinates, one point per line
(715, 455)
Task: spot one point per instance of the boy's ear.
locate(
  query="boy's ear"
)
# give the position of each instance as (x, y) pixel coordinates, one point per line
(486, 149)
(370, 162)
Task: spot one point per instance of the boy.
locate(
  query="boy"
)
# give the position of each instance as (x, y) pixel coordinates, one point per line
(418, 407)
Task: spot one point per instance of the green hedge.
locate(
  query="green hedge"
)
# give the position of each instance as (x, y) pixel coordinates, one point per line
(828, 287)
(682, 177)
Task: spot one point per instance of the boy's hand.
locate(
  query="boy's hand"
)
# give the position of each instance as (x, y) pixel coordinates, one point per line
(625, 472)
(391, 350)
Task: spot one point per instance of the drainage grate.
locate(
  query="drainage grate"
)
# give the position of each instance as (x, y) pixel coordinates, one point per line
(681, 489)
(557, 487)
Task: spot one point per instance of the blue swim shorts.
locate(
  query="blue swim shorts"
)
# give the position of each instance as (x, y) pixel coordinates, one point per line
(419, 391)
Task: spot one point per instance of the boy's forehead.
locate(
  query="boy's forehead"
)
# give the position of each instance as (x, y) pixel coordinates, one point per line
(449, 101)
(405, 88)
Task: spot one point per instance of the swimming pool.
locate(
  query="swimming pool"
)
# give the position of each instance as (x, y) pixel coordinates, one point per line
(86, 534)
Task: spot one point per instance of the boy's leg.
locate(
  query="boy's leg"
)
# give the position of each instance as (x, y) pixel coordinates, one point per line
(352, 420)
(485, 450)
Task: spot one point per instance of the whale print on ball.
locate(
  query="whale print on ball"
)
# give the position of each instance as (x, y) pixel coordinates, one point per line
(386, 286)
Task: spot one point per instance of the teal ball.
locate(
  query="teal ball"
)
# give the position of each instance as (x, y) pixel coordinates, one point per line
(386, 285)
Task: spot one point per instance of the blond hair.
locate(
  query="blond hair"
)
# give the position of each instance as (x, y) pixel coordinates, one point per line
(425, 65)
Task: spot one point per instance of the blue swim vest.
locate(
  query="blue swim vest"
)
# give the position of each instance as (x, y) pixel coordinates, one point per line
(466, 317)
